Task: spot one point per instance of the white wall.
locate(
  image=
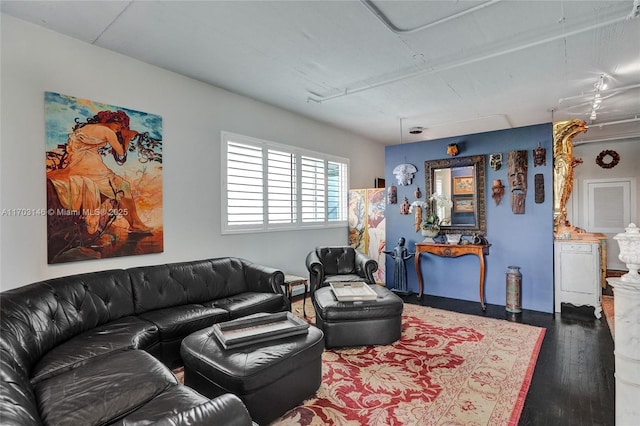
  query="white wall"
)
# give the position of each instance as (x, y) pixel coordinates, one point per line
(35, 60)
(629, 152)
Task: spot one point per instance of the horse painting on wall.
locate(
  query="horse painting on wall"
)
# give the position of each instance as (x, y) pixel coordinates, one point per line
(104, 180)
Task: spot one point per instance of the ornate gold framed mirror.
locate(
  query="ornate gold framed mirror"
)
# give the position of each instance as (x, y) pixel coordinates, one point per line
(461, 182)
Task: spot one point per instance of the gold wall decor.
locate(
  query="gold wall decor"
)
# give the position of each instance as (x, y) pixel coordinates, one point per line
(563, 164)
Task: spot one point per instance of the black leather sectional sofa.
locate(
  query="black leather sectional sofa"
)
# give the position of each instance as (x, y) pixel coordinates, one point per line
(96, 348)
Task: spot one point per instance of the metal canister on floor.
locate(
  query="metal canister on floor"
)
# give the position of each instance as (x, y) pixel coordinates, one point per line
(514, 290)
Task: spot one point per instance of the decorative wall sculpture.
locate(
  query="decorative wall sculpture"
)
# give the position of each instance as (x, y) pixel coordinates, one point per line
(563, 164)
(405, 206)
(497, 191)
(495, 161)
(608, 159)
(539, 156)
(416, 207)
(404, 173)
(538, 181)
(104, 180)
(517, 168)
(393, 195)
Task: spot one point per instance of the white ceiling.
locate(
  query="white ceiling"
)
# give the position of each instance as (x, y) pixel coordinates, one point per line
(452, 67)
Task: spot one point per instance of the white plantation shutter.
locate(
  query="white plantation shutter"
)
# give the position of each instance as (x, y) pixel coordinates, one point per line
(312, 190)
(245, 205)
(267, 186)
(337, 190)
(281, 183)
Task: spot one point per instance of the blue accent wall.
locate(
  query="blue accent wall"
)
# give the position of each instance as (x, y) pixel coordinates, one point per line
(524, 240)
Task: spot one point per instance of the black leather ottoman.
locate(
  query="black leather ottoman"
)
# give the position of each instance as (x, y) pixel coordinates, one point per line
(270, 377)
(361, 323)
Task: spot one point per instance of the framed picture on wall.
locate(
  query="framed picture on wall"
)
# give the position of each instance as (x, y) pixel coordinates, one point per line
(463, 205)
(463, 185)
(104, 180)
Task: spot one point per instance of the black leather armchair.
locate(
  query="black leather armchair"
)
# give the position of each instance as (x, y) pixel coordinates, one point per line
(339, 264)
(368, 322)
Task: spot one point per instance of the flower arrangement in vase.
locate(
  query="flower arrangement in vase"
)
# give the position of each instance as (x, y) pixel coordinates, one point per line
(431, 222)
(430, 227)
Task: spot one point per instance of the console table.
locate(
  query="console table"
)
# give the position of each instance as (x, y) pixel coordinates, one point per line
(452, 250)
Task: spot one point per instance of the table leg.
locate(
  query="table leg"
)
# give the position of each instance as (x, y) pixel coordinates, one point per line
(289, 295)
(304, 300)
(419, 274)
(484, 306)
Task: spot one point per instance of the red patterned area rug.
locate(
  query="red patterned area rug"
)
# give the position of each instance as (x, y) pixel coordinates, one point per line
(447, 369)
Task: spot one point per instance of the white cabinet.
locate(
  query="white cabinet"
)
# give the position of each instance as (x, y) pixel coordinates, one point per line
(577, 274)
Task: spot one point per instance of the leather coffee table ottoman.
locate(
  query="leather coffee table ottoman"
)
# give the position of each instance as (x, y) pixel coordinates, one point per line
(269, 377)
(358, 323)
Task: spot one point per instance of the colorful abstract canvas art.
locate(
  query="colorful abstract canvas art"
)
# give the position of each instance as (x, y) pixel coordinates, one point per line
(104, 180)
(367, 225)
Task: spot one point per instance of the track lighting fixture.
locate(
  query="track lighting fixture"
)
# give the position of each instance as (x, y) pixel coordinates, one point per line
(597, 98)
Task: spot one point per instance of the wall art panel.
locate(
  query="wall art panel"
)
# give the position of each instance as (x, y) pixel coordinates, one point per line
(367, 225)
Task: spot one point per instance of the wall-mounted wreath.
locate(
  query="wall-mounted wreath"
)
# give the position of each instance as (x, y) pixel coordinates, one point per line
(615, 159)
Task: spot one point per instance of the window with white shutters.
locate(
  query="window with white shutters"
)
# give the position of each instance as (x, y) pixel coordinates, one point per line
(268, 186)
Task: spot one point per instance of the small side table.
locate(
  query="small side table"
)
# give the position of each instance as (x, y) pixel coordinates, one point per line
(291, 281)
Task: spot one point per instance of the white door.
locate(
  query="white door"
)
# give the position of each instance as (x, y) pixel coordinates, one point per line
(609, 206)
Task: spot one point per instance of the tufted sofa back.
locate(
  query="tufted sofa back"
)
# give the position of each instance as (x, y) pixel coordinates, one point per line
(36, 318)
(164, 286)
(42, 315)
(337, 260)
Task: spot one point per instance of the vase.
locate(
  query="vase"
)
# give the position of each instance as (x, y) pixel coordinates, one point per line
(514, 290)
(430, 232)
(629, 244)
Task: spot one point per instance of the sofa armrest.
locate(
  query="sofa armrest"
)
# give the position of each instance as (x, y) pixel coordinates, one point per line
(263, 279)
(226, 409)
(365, 267)
(316, 271)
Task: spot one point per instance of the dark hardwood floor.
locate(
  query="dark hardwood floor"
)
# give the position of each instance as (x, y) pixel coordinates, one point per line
(573, 382)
